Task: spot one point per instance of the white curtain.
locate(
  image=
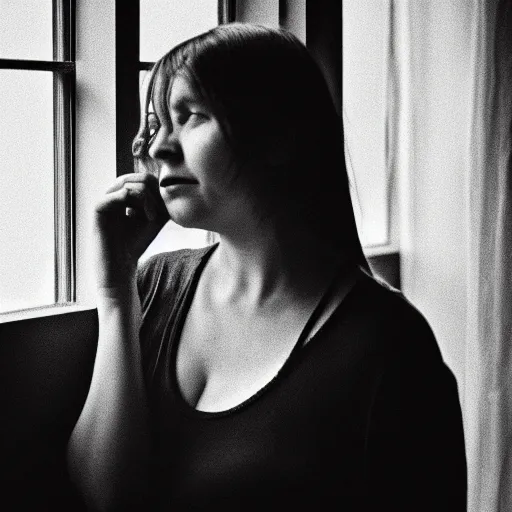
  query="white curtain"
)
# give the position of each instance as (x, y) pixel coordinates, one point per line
(489, 340)
(449, 138)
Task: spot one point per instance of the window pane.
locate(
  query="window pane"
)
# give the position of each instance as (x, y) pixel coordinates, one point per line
(364, 115)
(165, 23)
(27, 277)
(26, 29)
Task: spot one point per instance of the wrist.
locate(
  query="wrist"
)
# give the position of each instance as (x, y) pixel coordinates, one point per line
(114, 276)
(121, 289)
(118, 300)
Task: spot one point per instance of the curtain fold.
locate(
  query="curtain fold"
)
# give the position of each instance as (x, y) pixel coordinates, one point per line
(450, 138)
(489, 338)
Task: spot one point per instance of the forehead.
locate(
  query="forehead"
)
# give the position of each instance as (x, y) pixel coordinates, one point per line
(182, 90)
(171, 93)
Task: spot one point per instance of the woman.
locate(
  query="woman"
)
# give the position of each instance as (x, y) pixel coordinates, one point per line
(271, 369)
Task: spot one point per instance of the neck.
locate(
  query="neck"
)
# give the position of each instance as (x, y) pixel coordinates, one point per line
(258, 266)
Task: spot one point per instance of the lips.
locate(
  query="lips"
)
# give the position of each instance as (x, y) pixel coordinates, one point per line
(177, 180)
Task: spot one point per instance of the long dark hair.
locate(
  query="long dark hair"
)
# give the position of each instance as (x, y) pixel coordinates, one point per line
(277, 114)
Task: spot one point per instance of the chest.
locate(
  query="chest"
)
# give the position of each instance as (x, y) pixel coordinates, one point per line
(303, 437)
(225, 357)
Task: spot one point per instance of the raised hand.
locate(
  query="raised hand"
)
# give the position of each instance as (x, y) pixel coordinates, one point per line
(126, 220)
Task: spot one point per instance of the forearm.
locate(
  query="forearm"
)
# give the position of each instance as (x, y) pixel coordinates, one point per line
(108, 452)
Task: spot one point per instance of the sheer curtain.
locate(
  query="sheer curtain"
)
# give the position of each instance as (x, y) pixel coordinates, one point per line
(489, 339)
(450, 138)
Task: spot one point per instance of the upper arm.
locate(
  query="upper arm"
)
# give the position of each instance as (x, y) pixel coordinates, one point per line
(415, 453)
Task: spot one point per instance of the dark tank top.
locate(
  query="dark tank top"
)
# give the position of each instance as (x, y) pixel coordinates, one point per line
(343, 423)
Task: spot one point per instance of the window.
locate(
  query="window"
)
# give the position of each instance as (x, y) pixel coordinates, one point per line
(364, 116)
(68, 135)
(165, 23)
(36, 100)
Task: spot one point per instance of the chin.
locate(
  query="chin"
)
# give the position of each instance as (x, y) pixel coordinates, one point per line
(188, 216)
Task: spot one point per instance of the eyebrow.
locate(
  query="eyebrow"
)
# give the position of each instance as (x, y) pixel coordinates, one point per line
(185, 101)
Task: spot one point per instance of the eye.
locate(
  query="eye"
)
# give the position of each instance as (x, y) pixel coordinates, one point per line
(153, 124)
(184, 116)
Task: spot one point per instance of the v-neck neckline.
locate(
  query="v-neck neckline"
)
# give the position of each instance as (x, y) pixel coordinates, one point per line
(296, 349)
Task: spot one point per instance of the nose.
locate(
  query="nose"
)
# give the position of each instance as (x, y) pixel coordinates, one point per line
(166, 146)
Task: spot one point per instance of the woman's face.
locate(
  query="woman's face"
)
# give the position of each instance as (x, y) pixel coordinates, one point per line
(196, 166)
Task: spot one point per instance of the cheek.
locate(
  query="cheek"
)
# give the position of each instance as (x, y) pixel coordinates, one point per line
(209, 154)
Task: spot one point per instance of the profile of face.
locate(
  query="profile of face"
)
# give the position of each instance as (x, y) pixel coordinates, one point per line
(197, 172)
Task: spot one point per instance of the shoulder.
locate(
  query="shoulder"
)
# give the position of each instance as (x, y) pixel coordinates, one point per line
(412, 362)
(165, 262)
(168, 271)
(392, 323)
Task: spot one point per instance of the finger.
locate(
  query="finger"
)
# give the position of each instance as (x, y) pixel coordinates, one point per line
(119, 200)
(131, 212)
(150, 182)
(134, 177)
(142, 190)
(134, 185)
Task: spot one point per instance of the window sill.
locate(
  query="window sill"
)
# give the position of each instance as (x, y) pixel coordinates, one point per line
(371, 252)
(28, 314)
(385, 263)
(380, 250)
